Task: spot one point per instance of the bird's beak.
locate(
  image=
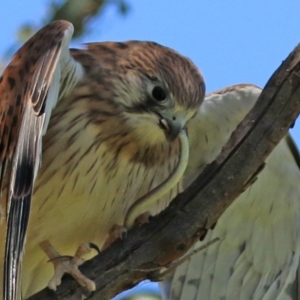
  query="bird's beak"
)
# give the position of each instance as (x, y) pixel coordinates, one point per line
(172, 125)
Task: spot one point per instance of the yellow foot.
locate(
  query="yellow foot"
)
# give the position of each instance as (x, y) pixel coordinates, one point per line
(116, 232)
(68, 264)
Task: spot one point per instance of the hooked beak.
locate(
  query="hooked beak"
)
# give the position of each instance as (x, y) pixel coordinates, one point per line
(172, 125)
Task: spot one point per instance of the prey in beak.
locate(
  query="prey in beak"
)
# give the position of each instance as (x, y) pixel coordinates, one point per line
(172, 126)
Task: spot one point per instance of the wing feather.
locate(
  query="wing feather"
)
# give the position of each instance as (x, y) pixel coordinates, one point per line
(29, 90)
(22, 176)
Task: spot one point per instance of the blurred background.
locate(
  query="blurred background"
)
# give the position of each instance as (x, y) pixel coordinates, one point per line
(230, 41)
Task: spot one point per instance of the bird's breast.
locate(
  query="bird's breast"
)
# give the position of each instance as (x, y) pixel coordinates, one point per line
(85, 185)
(83, 188)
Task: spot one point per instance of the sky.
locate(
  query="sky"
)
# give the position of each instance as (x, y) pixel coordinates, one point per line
(231, 41)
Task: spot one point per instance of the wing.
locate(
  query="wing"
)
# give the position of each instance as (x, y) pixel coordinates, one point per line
(39, 74)
(258, 255)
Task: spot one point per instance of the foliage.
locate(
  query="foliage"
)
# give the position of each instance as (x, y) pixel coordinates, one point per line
(78, 12)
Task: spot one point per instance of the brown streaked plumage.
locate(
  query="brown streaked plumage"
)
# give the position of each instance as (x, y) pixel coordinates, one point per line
(232, 88)
(103, 146)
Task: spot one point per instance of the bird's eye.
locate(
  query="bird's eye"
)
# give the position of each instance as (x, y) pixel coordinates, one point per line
(158, 93)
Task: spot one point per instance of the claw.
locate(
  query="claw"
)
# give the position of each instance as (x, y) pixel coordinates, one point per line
(95, 247)
(143, 218)
(69, 264)
(116, 232)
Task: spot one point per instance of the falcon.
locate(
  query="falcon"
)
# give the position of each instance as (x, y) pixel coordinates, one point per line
(90, 139)
(257, 256)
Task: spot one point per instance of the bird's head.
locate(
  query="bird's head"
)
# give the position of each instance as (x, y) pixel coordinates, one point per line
(156, 91)
(160, 90)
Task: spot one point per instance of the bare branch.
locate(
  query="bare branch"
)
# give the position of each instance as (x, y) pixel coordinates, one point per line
(79, 12)
(171, 233)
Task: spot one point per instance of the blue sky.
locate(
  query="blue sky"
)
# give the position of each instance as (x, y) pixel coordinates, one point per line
(231, 41)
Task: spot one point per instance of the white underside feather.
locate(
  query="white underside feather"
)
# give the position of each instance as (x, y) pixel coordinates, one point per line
(257, 257)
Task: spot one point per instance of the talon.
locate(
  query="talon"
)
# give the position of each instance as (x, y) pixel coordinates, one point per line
(68, 264)
(116, 232)
(143, 218)
(95, 247)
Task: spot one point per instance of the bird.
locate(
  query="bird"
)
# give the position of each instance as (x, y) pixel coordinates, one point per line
(257, 255)
(49, 105)
(85, 134)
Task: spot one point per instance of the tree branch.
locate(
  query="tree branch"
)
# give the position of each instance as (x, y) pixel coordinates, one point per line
(170, 234)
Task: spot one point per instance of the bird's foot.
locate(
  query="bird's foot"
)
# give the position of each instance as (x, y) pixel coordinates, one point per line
(142, 219)
(69, 265)
(120, 232)
(116, 232)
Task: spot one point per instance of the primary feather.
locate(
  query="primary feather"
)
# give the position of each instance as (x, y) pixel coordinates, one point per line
(28, 92)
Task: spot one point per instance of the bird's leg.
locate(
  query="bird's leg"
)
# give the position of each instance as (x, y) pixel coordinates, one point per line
(142, 219)
(68, 264)
(116, 232)
(120, 232)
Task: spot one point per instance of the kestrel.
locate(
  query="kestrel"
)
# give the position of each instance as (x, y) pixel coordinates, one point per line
(86, 134)
(110, 140)
(257, 256)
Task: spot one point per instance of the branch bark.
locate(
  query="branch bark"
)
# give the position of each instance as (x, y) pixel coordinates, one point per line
(153, 246)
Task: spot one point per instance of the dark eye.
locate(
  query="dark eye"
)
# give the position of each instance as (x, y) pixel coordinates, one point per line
(158, 93)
